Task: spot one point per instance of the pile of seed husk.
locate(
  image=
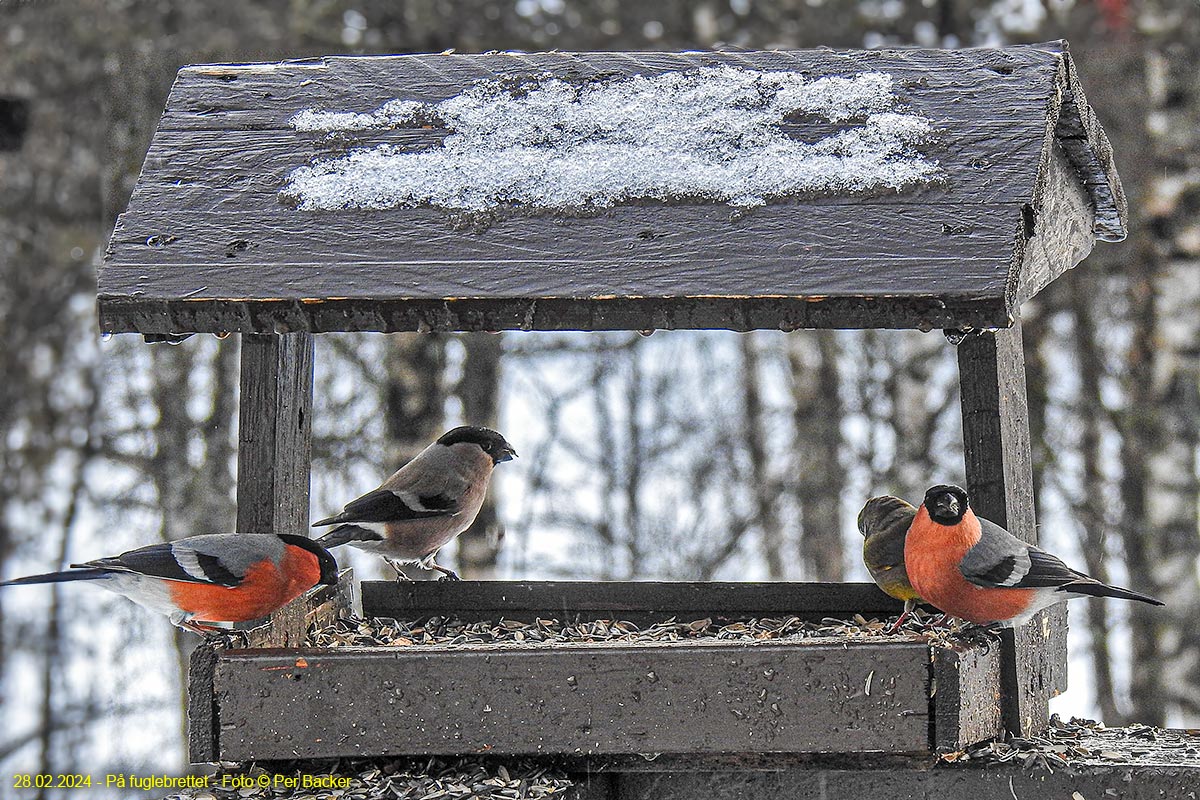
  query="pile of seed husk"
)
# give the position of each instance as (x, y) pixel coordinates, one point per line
(427, 779)
(1083, 741)
(452, 632)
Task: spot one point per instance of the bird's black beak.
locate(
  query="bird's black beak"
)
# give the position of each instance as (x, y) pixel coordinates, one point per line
(946, 506)
(507, 454)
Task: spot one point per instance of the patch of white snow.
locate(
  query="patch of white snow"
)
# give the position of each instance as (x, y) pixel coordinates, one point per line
(708, 134)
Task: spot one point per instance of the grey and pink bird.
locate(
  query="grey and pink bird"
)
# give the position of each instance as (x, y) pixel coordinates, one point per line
(426, 503)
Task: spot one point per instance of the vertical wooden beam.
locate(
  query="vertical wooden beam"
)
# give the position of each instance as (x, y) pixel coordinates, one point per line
(274, 451)
(275, 433)
(203, 728)
(1000, 480)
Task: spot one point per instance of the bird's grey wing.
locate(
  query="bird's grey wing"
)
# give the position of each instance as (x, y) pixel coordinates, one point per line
(387, 505)
(998, 559)
(432, 484)
(220, 559)
(1001, 560)
(157, 560)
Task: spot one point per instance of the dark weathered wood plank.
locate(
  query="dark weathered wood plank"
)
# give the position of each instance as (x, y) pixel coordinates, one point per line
(275, 434)
(632, 257)
(1058, 228)
(967, 698)
(633, 251)
(1091, 155)
(224, 96)
(985, 161)
(575, 700)
(207, 245)
(287, 627)
(202, 720)
(625, 314)
(490, 600)
(1000, 479)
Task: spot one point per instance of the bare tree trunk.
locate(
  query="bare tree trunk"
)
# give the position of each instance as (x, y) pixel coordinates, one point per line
(1173, 486)
(1089, 507)
(763, 488)
(605, 529)
(215, 508)
(867, 395)
(1160, 440)
(171, 474)
(913, 418)
(479, 391)
(1140, 425)
(635, 464)
(52, 666)
(414, 403)
(818, 414)
(414, 399)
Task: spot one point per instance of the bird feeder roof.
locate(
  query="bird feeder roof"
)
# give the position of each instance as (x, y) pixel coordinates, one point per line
(602, 191)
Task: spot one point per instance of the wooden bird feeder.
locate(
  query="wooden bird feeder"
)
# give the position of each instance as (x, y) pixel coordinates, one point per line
(339, 194)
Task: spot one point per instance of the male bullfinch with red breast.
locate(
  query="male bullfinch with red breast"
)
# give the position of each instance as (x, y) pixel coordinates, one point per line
(224, 577)
(975, 570)
(426, 503)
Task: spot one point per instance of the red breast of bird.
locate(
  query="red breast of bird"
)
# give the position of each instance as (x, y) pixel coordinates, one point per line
(932, 555)
(207, 578)
(268, 584)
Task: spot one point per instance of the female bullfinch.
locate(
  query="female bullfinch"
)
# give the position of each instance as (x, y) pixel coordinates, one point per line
(884, 522)
(975, 570)
(426, 503)
(225, 577)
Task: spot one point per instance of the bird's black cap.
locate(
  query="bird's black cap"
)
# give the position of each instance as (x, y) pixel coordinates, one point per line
(946, 503)
(488, 440)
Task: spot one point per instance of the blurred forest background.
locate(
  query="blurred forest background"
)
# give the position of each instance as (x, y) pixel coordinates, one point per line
(682, 455)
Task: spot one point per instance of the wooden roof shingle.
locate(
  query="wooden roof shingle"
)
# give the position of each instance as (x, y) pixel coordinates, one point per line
(212, 242)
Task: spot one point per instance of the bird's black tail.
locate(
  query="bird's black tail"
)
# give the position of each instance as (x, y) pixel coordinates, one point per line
(1097, 589)
(59, 577)
(344, 534)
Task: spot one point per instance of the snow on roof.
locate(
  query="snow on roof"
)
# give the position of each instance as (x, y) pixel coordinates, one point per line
(708, 134)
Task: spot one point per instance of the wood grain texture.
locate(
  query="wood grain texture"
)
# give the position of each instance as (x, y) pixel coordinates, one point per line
(1000, 480)
(472, 601)
(287, 627)
(1058, 228)
(735, 698)
(202, 721)
(967, 702)
(266, 96)
(275, 433)
(1091, 154)
(630, 251)
(206, 244)
(992, 161)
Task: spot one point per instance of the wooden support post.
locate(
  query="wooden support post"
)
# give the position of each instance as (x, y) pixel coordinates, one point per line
(999, 474)
(275, 433)
(274, 451)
